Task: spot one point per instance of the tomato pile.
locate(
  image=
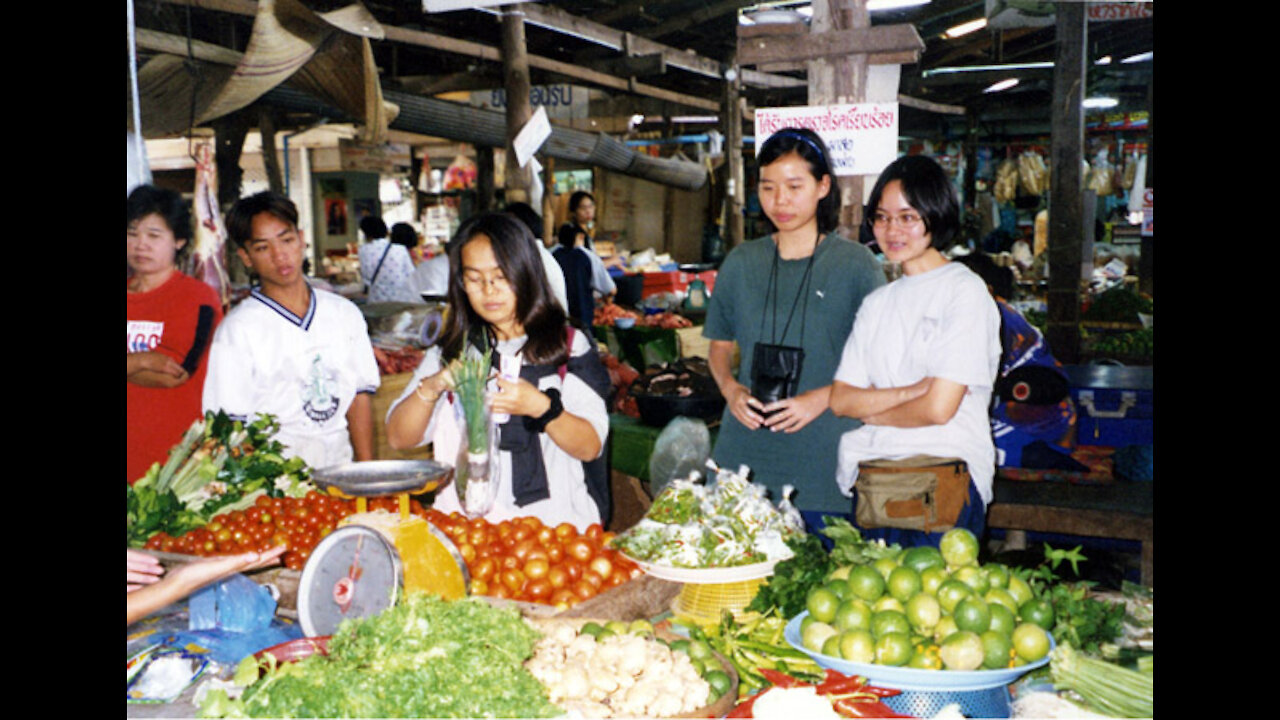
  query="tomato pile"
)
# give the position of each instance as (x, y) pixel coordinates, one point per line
(298, 523)
(523, 559)
(520, 559)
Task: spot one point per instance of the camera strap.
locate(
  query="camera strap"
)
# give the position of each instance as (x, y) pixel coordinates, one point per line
(771, 294)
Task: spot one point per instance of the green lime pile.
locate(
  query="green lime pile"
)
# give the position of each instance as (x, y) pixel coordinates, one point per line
(929, 608)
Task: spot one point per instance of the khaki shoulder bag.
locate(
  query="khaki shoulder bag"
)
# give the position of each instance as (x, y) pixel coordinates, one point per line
(922, 492)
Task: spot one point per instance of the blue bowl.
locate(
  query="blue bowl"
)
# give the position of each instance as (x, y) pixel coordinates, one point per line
(624, 322)
(905, 678)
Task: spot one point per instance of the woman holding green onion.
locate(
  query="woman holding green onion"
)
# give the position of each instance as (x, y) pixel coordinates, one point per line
(546, 391)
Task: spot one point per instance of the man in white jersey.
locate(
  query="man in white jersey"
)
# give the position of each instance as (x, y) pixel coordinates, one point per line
(297, 352)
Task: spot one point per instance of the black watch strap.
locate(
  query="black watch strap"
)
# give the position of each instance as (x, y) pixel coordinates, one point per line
(539, 424)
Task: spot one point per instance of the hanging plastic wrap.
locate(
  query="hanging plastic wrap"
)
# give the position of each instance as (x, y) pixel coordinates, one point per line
(1006, 184)
(1033, 174)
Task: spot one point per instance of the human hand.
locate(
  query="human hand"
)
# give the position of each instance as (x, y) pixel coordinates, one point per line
(160, 363)
(792, 414)
(195, 575)
(518, 397)
(141, 569)
(744, 407)
(433, 386)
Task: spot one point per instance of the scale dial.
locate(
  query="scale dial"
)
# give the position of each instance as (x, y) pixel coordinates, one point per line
(353, 573)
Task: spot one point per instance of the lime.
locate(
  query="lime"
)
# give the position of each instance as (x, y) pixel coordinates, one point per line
(997, 574)
(866, 582)
(641, 627)
(822, 604)
(719, 681)
(815, 635)
(926, 658)
(997, 650)
(894, 649)
(1030, 641)
(680, 646)
(951, 592)
(959, 547)
(840, 573)
(700, 650)
(972, 614)
(884, 566)
(839, 587)
(973, 576)
(832, 646)
(962, 650)
(617, 627)
(922, 557)
(889, 621)
(853, 615)
(888, 602)
(903, 583)
(1000, 596)
(1038, 611)
(945, 628)
(924, 611)
(1003, 620)
(605, 634)
(857, 646)
(931, 578)
(1019, 589)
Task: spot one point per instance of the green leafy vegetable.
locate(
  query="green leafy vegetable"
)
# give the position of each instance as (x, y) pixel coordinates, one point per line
(1079, 619)
(424, 657)
(1106, 687)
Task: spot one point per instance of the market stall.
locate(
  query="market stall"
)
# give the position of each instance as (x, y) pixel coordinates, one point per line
(717, 592)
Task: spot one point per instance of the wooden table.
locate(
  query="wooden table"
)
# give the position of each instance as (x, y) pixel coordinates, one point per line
(1120, 510)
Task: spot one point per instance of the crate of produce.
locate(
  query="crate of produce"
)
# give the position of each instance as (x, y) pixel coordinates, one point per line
(675, 281)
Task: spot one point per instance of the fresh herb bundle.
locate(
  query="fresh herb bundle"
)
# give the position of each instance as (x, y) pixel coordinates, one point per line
(470, 379)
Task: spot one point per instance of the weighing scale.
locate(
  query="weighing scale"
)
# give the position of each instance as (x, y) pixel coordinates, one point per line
(363, 566)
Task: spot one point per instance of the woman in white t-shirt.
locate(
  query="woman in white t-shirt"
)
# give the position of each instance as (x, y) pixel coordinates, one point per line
(921, 360)
(551, 464)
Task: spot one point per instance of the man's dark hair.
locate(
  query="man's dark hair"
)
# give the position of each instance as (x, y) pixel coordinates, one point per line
(373, 227)
(240, 216)
(404, 234)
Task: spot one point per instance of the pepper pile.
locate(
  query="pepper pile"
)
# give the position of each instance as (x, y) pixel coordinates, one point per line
(850, 695)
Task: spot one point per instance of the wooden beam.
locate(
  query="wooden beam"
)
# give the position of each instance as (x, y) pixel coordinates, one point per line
(684, 21)
(919, 104)
(492, 54)
(882, 45)
(637, 66)
(515, 79)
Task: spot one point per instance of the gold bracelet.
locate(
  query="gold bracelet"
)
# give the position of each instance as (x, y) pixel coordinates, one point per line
(418, 391)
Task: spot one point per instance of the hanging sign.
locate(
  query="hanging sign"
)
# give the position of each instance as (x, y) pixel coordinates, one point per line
(862, 138)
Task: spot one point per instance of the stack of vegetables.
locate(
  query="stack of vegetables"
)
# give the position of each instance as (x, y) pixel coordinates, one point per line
(220, 465)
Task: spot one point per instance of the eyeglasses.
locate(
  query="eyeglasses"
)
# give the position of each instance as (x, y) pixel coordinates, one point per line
(905, 220)
(475, 282)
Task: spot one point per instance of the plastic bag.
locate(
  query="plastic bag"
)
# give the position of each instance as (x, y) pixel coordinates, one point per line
(682, 447)
(236, 604)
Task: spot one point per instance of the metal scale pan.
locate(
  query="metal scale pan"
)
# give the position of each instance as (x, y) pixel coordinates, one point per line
(380, 478)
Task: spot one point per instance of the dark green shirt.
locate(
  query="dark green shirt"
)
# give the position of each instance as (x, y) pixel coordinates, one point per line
(843, 273)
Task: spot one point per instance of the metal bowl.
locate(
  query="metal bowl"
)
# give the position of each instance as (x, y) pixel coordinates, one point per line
(379, 478)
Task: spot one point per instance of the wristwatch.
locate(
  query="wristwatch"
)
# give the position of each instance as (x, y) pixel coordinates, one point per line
(539, 424)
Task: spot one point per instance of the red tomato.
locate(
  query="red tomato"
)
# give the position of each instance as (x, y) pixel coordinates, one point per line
(536, 569)
(479, 587)
(566, 530)
(594, 531)
(584, 590)
(468, 553)
(514, 579)
(594, 579)
(555, 552)
(573, 568)
(580, 549)
(601, 566)
(545, 535)
(522, 548)
(484, 569)
(558, 577)
(538, 590)
(564, 598)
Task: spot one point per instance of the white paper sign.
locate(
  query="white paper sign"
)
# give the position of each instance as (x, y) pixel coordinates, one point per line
(532, 135)
(1148, 212)
(862, 138)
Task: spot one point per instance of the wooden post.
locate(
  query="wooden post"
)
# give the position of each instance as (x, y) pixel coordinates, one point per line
(1066, 197)
(229, 132)
(838, 80)
(485, 199)
(270, 160)
(735, 185)
(515, 76)
(1146, 259)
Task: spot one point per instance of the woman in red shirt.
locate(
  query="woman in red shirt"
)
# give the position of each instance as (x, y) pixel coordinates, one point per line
(169, 323)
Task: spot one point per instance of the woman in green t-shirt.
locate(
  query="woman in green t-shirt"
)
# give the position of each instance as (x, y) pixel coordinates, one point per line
(786, 303)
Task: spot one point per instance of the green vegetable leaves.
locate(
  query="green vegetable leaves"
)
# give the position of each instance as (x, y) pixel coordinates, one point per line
(1079, 619)
(792, 578)
(424, 657)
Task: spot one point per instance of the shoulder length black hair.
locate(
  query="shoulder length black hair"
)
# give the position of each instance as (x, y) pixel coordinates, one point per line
(147, 200)
(808, 145)
(927, 189)
(542, 318)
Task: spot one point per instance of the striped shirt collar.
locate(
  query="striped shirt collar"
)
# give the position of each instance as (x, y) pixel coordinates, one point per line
(303, 322)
